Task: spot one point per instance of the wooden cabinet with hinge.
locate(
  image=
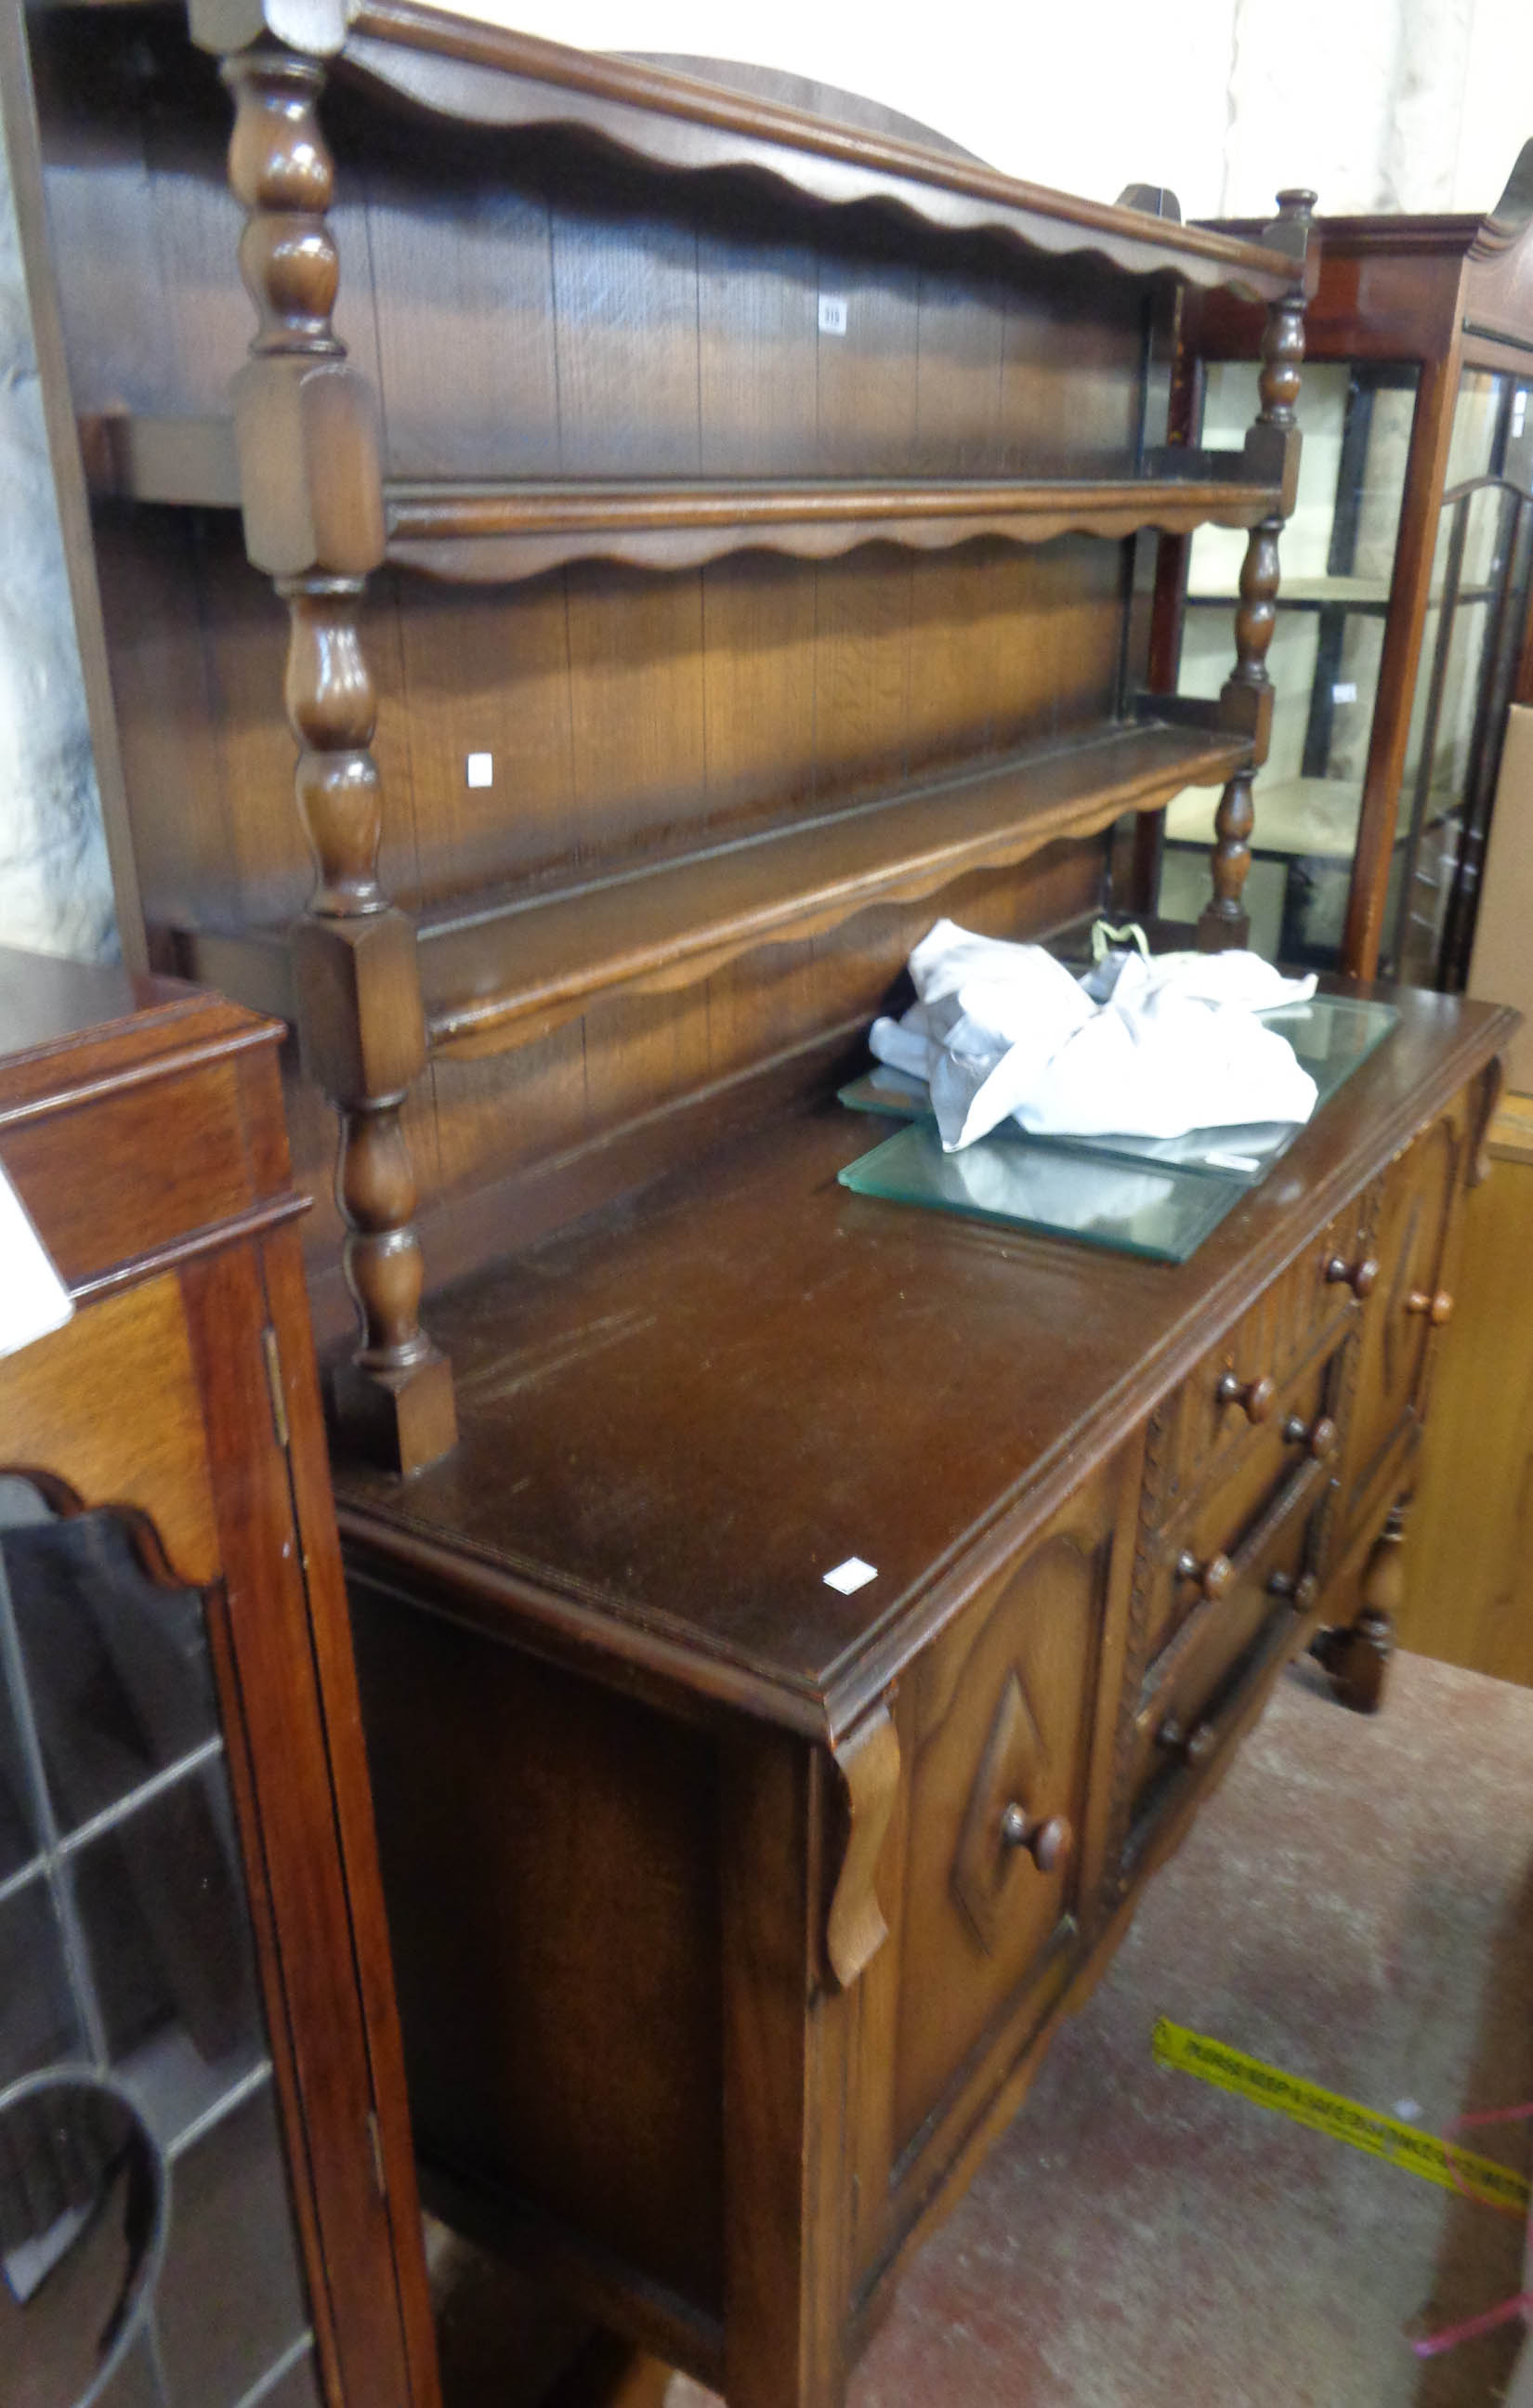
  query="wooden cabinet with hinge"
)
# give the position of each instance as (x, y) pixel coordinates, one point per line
(207, 2189)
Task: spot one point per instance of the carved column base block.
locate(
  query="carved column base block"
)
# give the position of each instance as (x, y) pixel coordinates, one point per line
(362, 1035)
(361, 1024)
(400, 1420)
(1247, 711)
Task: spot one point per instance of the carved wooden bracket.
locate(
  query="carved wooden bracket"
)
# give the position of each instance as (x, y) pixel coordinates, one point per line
(1492, 1086)
(867, 1764)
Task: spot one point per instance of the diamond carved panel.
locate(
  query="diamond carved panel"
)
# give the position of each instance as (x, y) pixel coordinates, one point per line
(1013, 1769)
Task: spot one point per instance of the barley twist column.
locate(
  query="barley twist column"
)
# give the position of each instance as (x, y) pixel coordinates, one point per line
(312, 499)
(1273, 450)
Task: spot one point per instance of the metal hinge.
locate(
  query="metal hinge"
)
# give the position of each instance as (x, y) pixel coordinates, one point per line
(274, 1385)
(376, 2137)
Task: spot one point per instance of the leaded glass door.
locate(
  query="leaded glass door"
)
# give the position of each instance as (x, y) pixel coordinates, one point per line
(148, 2255)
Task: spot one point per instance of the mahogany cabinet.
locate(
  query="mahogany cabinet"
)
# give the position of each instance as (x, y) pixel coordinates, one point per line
(1404, 624)
(198, 2038)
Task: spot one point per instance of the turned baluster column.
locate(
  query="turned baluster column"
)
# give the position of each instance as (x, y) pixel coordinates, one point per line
(1245, 704)
(311, 491)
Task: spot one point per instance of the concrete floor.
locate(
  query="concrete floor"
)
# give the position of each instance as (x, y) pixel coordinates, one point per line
(1356, 1906)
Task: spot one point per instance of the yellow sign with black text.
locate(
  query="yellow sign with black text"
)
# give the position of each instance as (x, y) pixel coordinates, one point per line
(1324, 2111)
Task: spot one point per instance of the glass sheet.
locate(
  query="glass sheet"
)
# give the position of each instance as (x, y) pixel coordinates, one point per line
(125, 1939)
(118, 1667)
(161, 1905)
(1162, 1213)
(19, 1835)
(38, 2021)
(1331, 1035)
(231, 2302)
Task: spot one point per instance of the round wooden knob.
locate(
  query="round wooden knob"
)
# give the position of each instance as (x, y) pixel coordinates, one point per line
(1360, 1277)
(1317, 1437)
(1438, 1307)
(1191, 1745)
(1212, 1578)
(1301, 1593)
(1047, 1842)
(1254, 1396)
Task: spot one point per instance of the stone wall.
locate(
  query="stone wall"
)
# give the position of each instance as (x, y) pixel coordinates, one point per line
(55, 888)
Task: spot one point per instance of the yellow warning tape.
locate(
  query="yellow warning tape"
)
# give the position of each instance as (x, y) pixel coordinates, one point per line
(1322, 2111)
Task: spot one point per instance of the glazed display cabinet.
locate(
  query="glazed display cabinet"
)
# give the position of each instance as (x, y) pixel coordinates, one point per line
(207, 2193)
(1402, 621)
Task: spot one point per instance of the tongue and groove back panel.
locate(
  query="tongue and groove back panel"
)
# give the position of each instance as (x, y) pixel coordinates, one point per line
(529, 307)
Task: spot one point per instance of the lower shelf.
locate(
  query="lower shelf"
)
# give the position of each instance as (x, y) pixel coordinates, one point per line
(494, 973)
(499, 968)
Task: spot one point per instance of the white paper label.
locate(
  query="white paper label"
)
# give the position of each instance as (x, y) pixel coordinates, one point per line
(1519, 412)
(854, 1574)
(832, 309)
(32, 1297)
(482, 768)
(1347, 693)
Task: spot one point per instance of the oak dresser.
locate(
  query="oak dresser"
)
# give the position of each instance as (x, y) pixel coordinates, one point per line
(712, 535)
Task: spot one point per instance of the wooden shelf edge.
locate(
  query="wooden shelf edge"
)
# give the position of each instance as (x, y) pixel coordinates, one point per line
(496, 534)
(488, 76)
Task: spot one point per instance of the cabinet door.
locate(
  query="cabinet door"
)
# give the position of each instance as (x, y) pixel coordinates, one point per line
(1405, 1308)
(183, 2049)
(1010, 1728)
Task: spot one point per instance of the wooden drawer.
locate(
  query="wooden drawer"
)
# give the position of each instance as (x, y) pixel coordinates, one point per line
(1197, 1554)
(1199, 1687)
(1209, 1422)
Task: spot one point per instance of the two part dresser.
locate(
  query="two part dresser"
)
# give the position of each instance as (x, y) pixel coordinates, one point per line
(710, 539)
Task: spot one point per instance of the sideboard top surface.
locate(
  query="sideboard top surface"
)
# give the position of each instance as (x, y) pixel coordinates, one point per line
(678, 1417)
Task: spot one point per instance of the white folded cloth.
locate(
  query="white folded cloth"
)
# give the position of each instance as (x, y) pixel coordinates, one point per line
(1135, 1048)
